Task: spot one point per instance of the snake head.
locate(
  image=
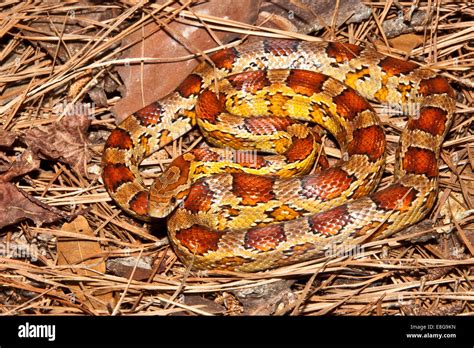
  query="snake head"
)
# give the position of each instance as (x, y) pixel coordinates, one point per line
(162, 204)
(170, 188)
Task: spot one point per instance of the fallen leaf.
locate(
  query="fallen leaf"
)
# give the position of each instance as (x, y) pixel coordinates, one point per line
(266, 299)
(16, 205)
(152, 42)
(399, 24)
(305, 16)
(83, 253)
(26, 163)
(124, 266)
(203, 304)
(406, 42)
(98, 96)
(7, 138)
(65, 141)
(454, 209)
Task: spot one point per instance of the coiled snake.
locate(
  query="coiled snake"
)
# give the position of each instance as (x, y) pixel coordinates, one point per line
(251, 213)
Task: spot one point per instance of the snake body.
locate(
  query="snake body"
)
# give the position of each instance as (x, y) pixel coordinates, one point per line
(249, 214)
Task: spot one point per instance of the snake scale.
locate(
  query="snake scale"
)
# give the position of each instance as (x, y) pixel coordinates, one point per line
(251, 213)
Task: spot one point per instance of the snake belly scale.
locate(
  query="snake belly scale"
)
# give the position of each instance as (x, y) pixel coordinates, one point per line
(233, 213)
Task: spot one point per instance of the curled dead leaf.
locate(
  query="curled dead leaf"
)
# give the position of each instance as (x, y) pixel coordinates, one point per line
(65, 141)
(16, 205)
(26, 163)
(83, 257)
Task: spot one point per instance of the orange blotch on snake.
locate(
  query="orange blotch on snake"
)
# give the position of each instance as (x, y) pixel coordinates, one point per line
(305, 82)
(435, 85)
(431, 120)
(326, 185)
(252, 189)
(300, 149)
(369, 141)
(322, 163)
(394, 67)
(119, 139)
(150, 114)
(209, 106)
(267, 124)
(139, 203)
(264, 238)
(349, 103)
(420, 161)
(190, 86)
(199, 239)
(394, 197)
(225, 58)
(342, 51)
(206, 155)
(116, 175)
(250, 81)
(199, 198)
(330, 222)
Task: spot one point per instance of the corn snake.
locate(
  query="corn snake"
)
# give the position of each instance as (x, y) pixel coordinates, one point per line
(234, 214)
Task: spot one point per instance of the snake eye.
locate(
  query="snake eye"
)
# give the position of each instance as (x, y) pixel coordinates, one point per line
(173, 200)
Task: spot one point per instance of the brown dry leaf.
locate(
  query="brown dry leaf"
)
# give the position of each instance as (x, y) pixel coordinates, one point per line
(406, 42)
(65, 141)
(399, 24)
(82, 255)
(16, 205)
(204, 304)
(124, 266)
(24, 164)
(305, 16)
(266, 299)
(453, 209)
(6, 138)
(141, 80)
